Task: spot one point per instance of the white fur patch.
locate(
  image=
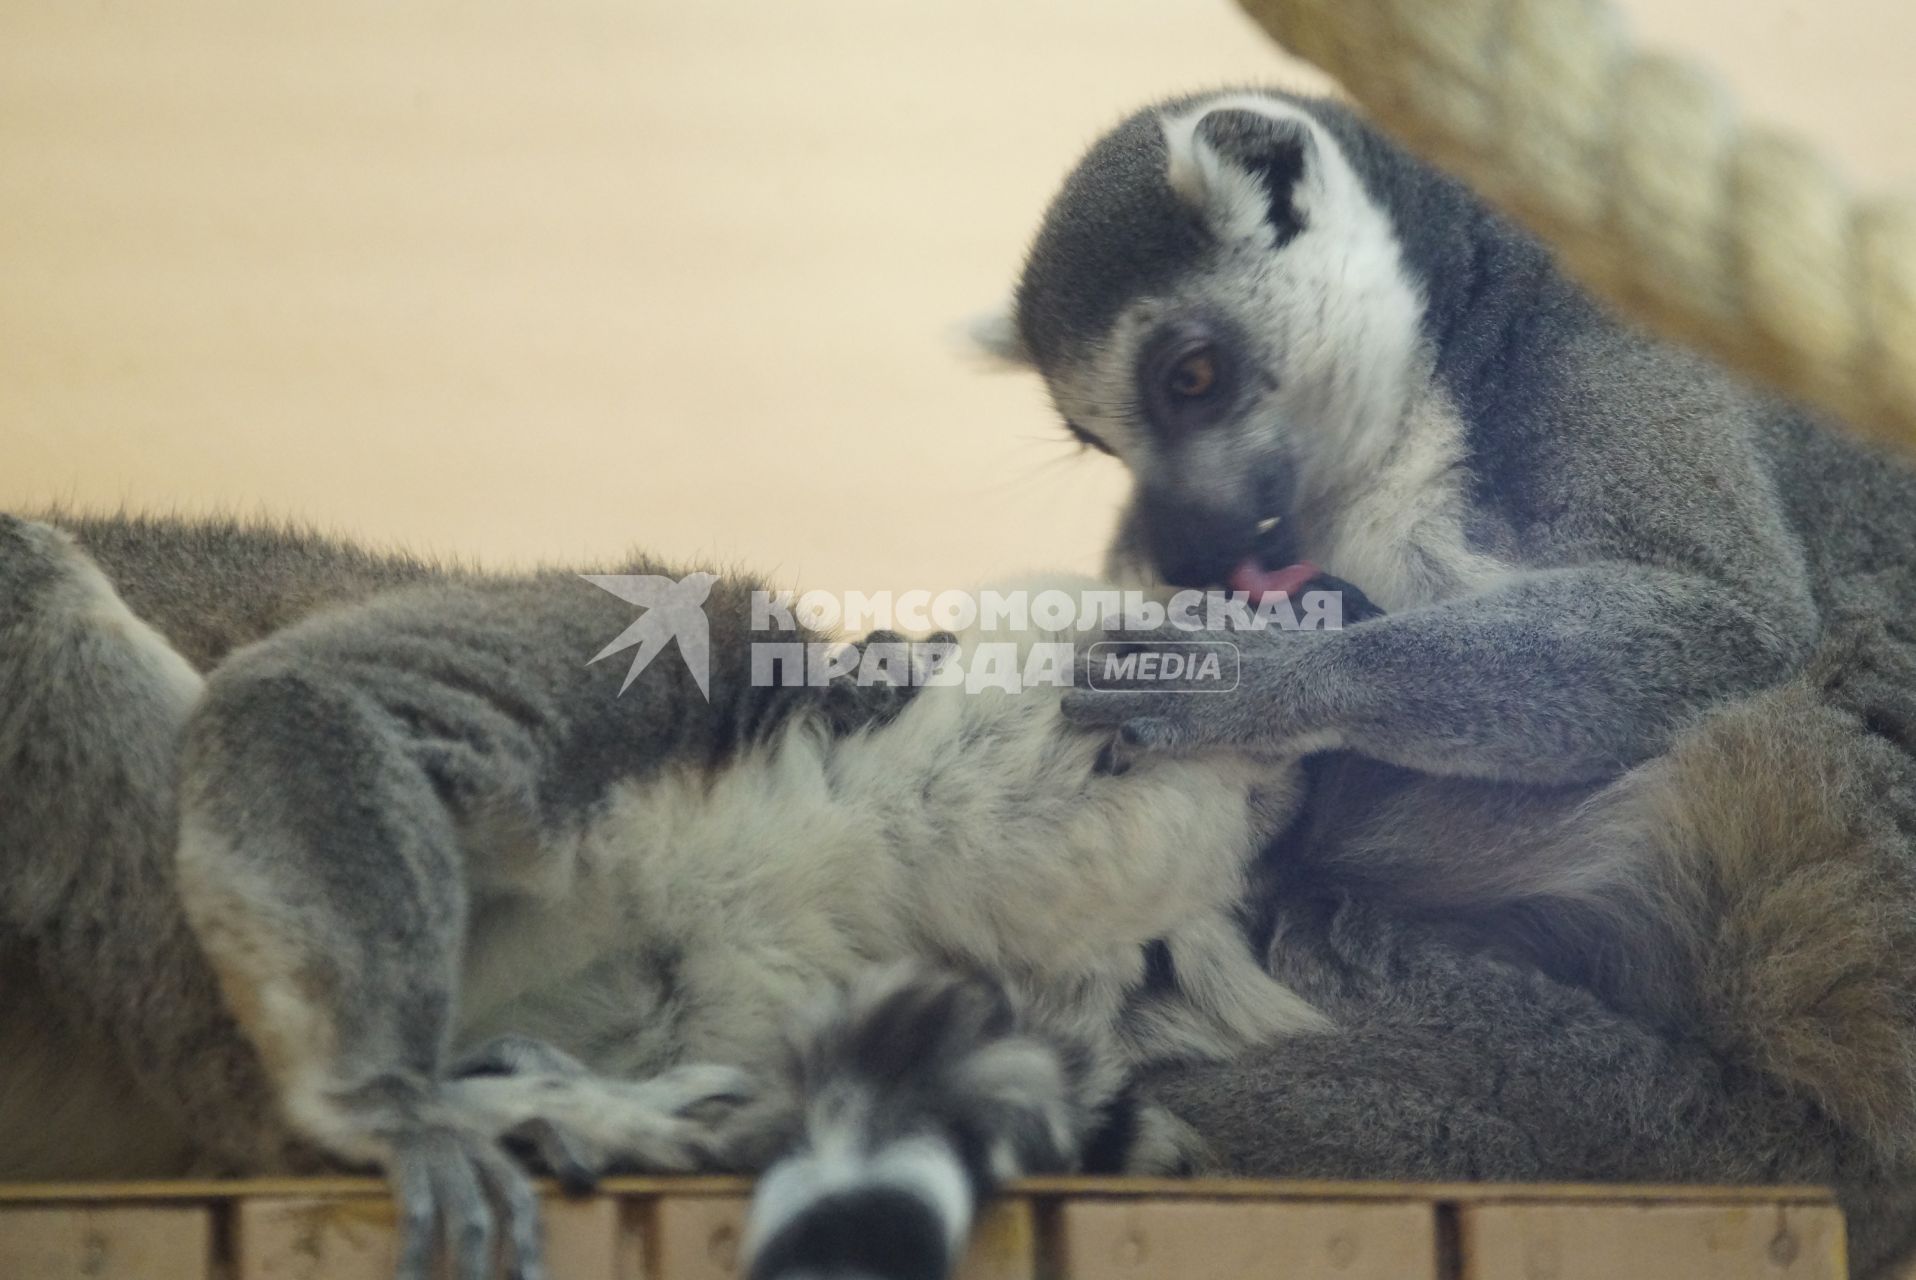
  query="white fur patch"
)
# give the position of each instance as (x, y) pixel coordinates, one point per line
(925, 1167)
(108, 611)
(1232, 202)
(1400, 534)
(251, 934)
(994, 336)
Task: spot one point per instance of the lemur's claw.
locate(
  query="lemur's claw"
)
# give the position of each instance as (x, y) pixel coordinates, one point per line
(460, 1198)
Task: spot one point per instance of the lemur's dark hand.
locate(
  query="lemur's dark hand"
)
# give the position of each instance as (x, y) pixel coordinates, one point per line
(888, 673)
(1247, 702)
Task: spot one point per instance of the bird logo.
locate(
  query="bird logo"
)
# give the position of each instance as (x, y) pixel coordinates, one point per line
(673, 611)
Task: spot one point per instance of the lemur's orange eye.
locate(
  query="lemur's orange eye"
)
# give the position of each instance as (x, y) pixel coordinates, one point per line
(1194, 375)
(1188, 375)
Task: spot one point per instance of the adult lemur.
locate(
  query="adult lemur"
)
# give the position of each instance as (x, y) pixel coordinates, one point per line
(1308, 347)
(1311, 349)
(442, 885)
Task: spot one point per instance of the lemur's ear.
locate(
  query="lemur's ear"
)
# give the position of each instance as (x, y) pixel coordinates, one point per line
(994, 335)
(1239, 169)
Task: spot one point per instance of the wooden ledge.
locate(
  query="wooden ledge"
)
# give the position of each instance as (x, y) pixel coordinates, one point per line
(1058, 1229)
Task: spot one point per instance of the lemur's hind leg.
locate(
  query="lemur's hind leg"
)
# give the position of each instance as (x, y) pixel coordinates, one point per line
(323, 869)
(92, 706)
(911, 1099)
(356, 791)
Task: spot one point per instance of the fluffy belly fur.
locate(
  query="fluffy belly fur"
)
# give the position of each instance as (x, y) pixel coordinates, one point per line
(691, 913)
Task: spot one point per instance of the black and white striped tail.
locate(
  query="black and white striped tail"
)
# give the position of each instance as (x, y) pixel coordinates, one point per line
(920, 1094)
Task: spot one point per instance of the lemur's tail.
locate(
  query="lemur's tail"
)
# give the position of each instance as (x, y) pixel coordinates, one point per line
(919, 1094)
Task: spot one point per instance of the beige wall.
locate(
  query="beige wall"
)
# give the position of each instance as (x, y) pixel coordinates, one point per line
(544, 280)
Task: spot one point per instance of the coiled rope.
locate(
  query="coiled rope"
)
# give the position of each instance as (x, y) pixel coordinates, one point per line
(1735, 238)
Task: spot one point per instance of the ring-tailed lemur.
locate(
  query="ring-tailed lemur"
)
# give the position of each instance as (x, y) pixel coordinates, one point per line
(1310, 348)
(441, 885)
(1588, 741)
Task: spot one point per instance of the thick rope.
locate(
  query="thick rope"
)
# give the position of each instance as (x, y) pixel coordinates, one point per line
(1734, 238)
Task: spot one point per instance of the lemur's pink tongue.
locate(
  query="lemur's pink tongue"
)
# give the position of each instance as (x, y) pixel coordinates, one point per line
(1256, 581)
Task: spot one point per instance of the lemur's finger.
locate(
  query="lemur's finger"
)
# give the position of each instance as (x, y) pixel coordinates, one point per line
(1110, 708)
(417, 1215)
(465, 1215)
(695, 1087)
(517, 1212)
(1153, 733)
(1140, 737)
(554, 1150)
(930, 655)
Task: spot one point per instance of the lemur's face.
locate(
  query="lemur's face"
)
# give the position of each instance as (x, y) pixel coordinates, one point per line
(1216, 300)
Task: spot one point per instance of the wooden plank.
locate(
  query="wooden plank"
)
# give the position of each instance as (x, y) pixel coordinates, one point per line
(1233, 1240)
(1157, 1188)
(198, 1189)
(1694, 1242)
(692, 1237)
(101, 1243)
(1445, 1192)
(351, 1238)
(1004, 1244)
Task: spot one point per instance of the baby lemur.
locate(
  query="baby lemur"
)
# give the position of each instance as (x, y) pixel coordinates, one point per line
(315, 858)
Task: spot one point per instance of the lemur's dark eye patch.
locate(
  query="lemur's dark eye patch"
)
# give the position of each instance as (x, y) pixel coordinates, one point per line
(1088, 440)
(1194, 374)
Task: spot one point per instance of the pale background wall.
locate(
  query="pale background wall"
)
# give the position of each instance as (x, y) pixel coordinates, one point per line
(541, 280)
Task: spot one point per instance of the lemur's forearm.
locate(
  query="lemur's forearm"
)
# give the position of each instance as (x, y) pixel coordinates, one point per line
(1555, 676)
(1558, 676)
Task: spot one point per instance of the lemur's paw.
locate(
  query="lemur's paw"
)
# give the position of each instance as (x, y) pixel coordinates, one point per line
(1141, 720)
(1141, 726)
(461, 1198)
(1136, 739)
(1179, 690)
(1171, 692)
(564, 1120)
(888, 672)
(578, 1127)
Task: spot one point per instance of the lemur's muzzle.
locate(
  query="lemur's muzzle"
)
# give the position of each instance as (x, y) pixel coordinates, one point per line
(1203, 547)
(1197, 545)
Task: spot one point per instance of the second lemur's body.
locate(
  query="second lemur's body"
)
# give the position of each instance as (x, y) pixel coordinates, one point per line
(1640, 716)
(417, 827)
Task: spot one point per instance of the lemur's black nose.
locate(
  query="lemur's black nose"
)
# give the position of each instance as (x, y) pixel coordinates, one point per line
(1191, 544)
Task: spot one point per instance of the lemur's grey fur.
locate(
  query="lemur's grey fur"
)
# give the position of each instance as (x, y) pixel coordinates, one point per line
(400, 879)
(1613, 878)
(1582, 537)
